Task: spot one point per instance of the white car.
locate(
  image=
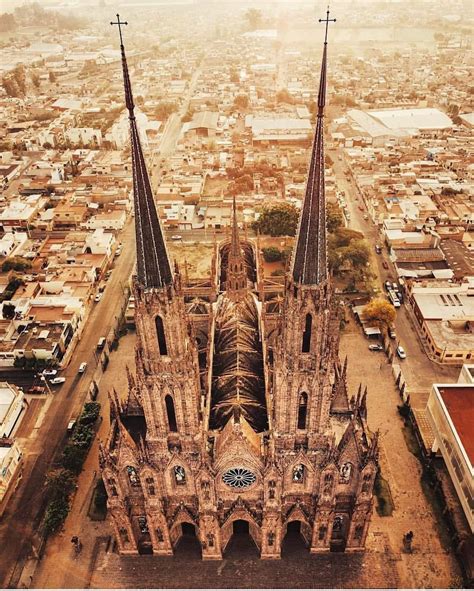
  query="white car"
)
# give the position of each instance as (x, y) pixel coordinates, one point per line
(50, 372)
(57, 381)
(401, 352)
(176, 237)
(82, 367)
(98, 297)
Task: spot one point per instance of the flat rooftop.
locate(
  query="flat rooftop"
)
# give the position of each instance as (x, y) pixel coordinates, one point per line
(401, 119)
(459, 402)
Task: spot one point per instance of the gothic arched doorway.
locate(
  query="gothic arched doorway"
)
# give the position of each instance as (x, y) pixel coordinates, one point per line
(188, 542)
(241, 542)
(294, 541)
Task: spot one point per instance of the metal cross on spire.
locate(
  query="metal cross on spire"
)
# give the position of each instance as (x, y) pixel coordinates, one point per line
(119, 23)
(326, 20)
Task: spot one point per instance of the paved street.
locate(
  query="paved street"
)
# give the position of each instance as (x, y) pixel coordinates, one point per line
(419, 371)
(20, 518)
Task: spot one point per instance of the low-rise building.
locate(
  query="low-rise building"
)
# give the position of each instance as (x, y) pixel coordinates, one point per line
(450, 411)
(445, 314)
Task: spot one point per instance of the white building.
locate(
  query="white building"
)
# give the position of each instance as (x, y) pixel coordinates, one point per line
(12, 404)
(450, 410)
(10, 463)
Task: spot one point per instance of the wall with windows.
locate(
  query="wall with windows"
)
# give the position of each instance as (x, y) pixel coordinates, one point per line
(448, 442)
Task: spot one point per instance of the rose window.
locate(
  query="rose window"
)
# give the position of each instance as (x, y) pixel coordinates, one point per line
(239, 477)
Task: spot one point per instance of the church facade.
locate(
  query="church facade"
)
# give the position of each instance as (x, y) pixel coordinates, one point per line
(238, 409)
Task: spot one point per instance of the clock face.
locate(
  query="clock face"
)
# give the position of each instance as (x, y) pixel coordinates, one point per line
(238, 477)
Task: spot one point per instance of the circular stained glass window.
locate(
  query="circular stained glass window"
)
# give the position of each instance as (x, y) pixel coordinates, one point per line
(238, 477)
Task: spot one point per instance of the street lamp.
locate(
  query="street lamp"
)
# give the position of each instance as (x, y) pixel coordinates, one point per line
(44, 379)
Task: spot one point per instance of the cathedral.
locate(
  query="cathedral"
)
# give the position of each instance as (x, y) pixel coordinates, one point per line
(238, 411)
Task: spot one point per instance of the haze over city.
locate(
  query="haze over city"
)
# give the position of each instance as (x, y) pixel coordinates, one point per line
(236, 294)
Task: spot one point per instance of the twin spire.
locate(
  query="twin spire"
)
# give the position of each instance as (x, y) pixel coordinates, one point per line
(153, 266)
(310, 254)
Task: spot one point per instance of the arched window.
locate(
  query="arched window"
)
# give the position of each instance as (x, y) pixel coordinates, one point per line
(171, 414)
(160, 333)
(306, 342)
(302, 410)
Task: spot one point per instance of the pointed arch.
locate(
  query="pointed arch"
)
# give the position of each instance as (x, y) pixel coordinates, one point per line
(170, 412)
(302, 410)
(160, 335)
(306, 340)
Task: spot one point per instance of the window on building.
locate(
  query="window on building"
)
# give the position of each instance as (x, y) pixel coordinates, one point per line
(302, 410)
(150, 485)
(171, 414)
(306, 342)
(160, 333)
(322, 532)
(358, 532)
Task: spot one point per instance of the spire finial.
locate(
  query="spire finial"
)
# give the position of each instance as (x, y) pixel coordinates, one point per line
(326, 20)
(119, 23)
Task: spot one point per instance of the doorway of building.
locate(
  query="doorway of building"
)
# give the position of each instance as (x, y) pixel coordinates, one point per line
(188, 544)
(293, 542)
(241, 544)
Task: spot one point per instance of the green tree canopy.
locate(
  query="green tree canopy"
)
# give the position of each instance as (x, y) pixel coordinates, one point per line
(279, 220)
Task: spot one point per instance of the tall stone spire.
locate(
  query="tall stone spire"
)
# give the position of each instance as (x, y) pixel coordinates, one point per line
(236, 272)
(153, 266)
(310, 256)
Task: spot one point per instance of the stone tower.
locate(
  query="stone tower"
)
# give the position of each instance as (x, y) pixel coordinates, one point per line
(238, 412)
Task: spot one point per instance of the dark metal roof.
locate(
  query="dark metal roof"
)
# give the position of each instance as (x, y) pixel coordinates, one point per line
(310, 256)
(237, 373)
(153, 266)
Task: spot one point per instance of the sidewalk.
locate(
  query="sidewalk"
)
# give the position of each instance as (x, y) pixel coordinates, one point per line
(59, 567)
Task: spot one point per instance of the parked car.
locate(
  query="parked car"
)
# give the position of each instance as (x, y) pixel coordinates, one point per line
(101, 343)
(391, 332)
(50, 372)
(56, 381)
(366, 217)
(385, 264)
(82, 367)
(71, 425)
(375, 348)
(401, 352)
(387, 285)
(176, 237)
(378, 249)
(361, 207)
(98, 297)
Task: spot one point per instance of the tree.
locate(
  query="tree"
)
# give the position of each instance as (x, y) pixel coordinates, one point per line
(333, 217)
(379, 311)
(35, 79)
(271, 254)
(357, 252)
(164, 109)
(52, 76)
(254, 18)
(19, 74)
(279, 220)
(344, 236)
(60, 483)
(241, 102)
(283, 96)
(7, 22)
(17, 263)
(8, 311)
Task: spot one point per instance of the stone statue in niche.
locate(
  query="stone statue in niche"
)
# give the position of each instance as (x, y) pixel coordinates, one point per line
(345, 473)
(179, 474)
(298, 473)
(133, 476)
